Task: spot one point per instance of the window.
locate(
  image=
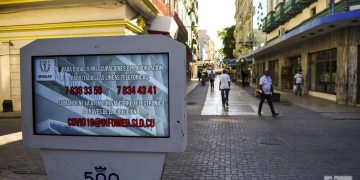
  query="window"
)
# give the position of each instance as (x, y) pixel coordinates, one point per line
(313, 11)
(323, 71)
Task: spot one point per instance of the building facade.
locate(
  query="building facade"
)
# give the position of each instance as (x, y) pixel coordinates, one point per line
(23, 21)
(259, 12)
(243, 33)
(319, 37)
(207, 51)
(191, 7)
(248, 35)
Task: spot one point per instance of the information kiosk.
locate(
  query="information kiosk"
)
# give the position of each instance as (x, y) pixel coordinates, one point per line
(104, 108)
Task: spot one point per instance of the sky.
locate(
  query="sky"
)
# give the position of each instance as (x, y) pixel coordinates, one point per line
(215, 15)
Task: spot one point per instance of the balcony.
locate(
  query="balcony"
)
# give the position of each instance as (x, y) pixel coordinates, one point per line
(292, 8)
(269, 22)
(306, 2)
(353, 2)
(279, 15)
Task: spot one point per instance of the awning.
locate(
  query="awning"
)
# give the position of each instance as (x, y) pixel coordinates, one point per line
(309, 30)
(164, 25)
(242, 59)
(182, 35)
(231, 62)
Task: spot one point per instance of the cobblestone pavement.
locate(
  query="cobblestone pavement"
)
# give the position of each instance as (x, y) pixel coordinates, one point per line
(16, 161)
(238, 103)
(299, 144)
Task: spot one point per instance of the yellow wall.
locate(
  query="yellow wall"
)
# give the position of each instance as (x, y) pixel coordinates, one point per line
(21, 28)
(298, 19)
(62, 14)
(4, 77)
(243, 27)
(15, 81)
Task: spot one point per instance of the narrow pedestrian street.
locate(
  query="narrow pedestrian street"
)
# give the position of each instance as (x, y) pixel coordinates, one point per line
(239, 103)
(235, 143)
(120, 90)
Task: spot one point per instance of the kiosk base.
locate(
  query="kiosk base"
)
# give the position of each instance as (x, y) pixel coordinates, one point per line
(99, 165)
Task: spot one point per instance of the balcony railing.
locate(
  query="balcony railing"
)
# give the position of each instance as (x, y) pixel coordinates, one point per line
(269, 22)
(292, 7)
(279, 15)
(306, 2)
(353, 2)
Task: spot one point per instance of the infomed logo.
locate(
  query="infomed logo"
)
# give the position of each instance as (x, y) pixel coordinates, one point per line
(45, 65)
(45, 69)
(337, 177)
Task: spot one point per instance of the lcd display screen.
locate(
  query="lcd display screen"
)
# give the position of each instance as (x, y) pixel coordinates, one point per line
(101, 95)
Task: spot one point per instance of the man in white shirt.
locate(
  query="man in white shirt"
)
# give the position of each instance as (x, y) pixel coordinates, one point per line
(212, 78)
(266, 90)
(224, 87)
(299, 81)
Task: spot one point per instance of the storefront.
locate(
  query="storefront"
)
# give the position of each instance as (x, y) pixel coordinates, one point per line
(326, 50)
(242, 70)
(322, 71)
(291, 66)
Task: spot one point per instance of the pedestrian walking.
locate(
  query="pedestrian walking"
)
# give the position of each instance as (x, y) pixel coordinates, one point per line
(244, 77)
(212, 79)
(266, 93)
(224, 87)
(254, 77)
(199, 75)
(299, 82)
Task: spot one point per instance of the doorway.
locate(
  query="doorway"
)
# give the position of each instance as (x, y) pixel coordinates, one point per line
(288, 71)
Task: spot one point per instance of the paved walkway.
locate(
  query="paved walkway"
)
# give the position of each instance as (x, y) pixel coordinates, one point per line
(234, 143)
(18, 162)
(300, 144)
(191, 84)
(239, 104)
(323, 106)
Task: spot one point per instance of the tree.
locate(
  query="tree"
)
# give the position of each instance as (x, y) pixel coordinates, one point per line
(227, 36)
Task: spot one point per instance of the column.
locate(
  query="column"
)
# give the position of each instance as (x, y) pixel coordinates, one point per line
(352, 65)
(281, 63)
(305, 66)
(342, 66)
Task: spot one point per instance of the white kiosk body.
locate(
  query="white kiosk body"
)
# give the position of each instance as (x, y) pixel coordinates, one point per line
(104, 108)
